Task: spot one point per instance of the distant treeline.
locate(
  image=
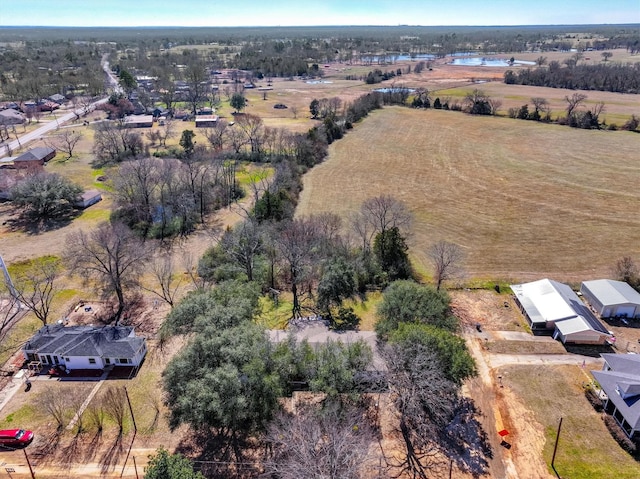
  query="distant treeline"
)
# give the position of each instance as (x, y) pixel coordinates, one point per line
(614, 77)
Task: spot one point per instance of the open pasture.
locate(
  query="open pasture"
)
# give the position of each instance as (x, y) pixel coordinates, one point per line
(524, 200)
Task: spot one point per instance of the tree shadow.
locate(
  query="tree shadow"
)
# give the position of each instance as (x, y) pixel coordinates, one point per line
(216, 455)
(111, 458)
(26, 223)
(48, 446)
(91, 447)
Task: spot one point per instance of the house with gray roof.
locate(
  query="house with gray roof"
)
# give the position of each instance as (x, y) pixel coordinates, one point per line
(612, 299)
(38, 156)
(554, 308)
(620, 383)
(86, 347)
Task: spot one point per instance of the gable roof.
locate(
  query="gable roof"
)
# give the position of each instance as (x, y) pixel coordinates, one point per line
(88, 341)
(548, 301)
(610, 292)
(39, 153)
(622, 385)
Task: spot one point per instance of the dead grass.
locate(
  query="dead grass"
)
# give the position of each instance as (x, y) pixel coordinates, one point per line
(524, 200)
(524, 347)
(586, 450)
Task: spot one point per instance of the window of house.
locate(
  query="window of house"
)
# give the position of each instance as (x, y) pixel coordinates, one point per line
(124, 361)
(107, 361)
(67, 360)
(92, 360)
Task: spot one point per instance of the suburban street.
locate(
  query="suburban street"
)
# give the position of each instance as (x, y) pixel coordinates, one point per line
(23, 140)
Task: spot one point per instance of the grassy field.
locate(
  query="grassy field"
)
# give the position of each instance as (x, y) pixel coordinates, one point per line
(524, 200)
(586, 450)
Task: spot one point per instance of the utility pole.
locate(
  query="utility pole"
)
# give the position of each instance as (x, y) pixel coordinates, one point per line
(33, 476)
(555, 447)
(135, 428)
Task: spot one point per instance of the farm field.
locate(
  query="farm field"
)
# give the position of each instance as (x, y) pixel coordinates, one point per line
(524, 200)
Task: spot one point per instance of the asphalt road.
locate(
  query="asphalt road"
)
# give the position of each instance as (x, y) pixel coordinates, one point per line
(25, 139)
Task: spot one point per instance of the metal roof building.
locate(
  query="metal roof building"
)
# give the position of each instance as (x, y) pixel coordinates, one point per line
(553, 307)
(611, 298)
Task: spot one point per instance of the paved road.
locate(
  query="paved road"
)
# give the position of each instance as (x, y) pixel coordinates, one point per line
(25, 139)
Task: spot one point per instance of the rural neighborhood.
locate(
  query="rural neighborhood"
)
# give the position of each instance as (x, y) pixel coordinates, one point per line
(309, 252)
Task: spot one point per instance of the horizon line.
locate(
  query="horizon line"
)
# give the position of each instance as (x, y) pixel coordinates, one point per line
(325, 25)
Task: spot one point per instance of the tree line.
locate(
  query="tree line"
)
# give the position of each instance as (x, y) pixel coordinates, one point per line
(603, 77)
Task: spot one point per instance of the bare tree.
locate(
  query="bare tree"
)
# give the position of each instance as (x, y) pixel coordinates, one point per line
(111, 255)
(65, 141)
(626, 270)
(35, 286)
(168, 130)
(55, 403)
(135, 186)
(539, 105)
(296, 244)
(216, 135)
(385, 212)
(435, 423)
(573, 102)
(96, 416)
(606, 56)
(243, 244)
(115, 405)
(168, 283)
(10, 312)
(253, 128)
(446, 259)
(331, 442)
(294, 111)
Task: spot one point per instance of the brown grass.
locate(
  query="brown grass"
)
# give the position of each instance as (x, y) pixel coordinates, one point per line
(586, 449)
(524, 200)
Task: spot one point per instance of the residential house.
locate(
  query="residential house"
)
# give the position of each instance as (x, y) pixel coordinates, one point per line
(10, 117)
(620, 382)
(39, 155)
(86, 347)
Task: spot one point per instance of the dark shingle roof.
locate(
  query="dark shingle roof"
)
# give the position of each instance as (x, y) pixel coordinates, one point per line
(89, 341)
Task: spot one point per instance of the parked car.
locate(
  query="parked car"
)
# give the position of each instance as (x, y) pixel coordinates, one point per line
(15, 437)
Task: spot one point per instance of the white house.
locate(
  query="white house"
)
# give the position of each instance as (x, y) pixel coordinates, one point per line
(553, 307)
(620, 381)
(611, 298)
(86, 347)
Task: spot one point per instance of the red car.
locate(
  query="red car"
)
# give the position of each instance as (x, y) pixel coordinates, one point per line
(15, 437)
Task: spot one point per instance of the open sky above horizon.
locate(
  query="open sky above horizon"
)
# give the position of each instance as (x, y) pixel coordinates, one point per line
(212, 13)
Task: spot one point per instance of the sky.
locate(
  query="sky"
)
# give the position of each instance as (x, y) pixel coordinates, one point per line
(212, 13)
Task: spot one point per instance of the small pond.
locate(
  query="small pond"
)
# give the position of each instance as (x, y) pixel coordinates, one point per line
(488, 62)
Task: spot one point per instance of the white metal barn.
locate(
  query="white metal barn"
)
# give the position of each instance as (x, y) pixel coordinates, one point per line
(612, 299)
(553, 307)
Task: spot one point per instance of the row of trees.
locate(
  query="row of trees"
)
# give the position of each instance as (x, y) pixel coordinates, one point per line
(603, 77)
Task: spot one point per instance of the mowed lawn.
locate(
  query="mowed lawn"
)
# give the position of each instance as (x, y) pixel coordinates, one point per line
(524, 200)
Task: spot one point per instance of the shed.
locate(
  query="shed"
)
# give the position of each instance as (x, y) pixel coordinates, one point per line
(88, 198)
(612, 299)
(206, 121)
(139, 121)
(553, 308)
